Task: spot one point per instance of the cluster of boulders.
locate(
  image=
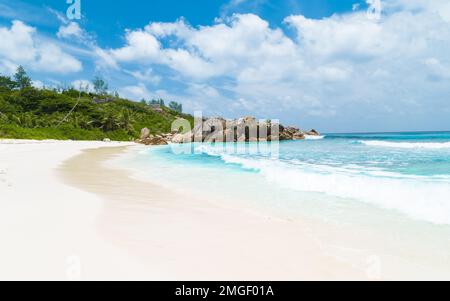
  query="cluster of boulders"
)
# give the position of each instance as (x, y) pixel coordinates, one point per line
(218, 129)
(149, 139)
(292, 133)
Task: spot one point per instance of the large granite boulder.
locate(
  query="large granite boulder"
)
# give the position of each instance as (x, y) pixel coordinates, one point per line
(285, 136)
(154, 140)
(183, 138)
(299, 136)
(288, 133)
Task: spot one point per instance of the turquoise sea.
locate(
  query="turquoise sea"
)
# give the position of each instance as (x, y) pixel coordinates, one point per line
(407, 173)
(389, 191)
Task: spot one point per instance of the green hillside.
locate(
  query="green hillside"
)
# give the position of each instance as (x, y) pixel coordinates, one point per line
(30, 113)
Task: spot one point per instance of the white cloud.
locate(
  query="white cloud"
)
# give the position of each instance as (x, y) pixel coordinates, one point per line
(147, 76)
(71, 30)
(348, 36)
(37, 84)
(342, 66)
(20, 44)
(83, 84)
(52, 59)
(105, 59)
(25, 48)
(140, 46)
(219, 50)
(73, 33)
(7, 67)
(136, 92)
(439, 7)
(437, 71)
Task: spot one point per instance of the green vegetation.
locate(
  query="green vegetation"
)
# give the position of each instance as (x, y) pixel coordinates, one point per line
(177, 107)
(22, 80)
(100, 86)
(157, 102)
(30, 113)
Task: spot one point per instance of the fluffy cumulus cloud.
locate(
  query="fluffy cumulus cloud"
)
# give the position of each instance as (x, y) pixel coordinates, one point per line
(231, 49)
(70, 30)
(24, 47)
(348, 67)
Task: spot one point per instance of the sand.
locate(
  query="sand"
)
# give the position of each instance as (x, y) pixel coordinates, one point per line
(67, 215)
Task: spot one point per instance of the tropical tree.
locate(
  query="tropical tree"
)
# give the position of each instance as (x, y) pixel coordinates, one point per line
(109, 122)
(177, 107)
(158, 102)
(126, 120)
(6, 83)
(100, 85)
(22, 79)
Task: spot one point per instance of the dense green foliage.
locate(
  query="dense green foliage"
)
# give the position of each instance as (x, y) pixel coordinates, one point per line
(30, 113)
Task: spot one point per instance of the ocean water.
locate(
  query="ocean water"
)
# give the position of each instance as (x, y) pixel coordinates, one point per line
(390, 191)
(406, 173)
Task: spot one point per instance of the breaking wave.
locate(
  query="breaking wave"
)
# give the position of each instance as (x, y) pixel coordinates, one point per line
(407, 145)
(420, 198)
(308, 137)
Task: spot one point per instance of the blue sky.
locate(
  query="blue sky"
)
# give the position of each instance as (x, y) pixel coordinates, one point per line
(327, 64)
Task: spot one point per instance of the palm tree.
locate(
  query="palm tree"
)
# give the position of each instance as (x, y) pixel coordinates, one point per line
(110, 123)
(126, 120)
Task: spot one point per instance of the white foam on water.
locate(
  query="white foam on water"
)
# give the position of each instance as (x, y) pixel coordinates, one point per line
(407, 145)
(308, 137)
(417, 197)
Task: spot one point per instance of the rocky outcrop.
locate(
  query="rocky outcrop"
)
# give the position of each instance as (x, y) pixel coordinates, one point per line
(183, 138)
(218, 129)
(298, 136)
(289, 133)
(246, 129)
(154, 140)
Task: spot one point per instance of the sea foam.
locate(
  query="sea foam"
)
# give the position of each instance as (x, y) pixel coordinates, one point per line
(420, 199)
(409, 145)
(308, 137)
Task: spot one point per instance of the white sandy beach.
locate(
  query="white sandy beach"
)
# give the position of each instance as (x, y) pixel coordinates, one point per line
(47, 228)
(65, 216)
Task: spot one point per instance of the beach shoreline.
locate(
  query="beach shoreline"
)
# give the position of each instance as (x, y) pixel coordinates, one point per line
(186, 238)
(78, 211)
(69, 216)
